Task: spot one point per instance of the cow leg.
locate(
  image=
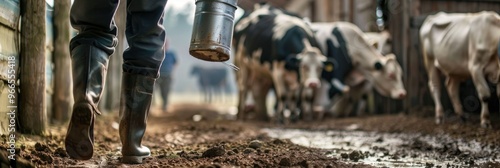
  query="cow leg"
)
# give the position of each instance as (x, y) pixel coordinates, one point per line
(216, 94)
(259, 92)
(320, 102)
(243, 81)
(209, 95)
(296, 111)
(434, 79)
(317, 108)
(203, 94)
(498, 91)
(340, 105)
(361, 106)
(241, 77)
(453, 84)
(290, 106)
(242, 98)
(484, 93)
(367, 87)
(242, 94)
(279, 88)
(435, 88)
(306, 104)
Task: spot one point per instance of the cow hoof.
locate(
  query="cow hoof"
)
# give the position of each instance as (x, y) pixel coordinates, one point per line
(249, 108)
(240, 116)
(439, 120)
(286, 121)
(346, 90)
(318, 116)
(463, 119)
(486, 125)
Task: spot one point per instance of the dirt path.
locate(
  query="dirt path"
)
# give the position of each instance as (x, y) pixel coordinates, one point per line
(214, 141)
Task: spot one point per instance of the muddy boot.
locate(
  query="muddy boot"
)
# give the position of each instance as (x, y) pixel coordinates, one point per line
(89, 73)
(137, 91)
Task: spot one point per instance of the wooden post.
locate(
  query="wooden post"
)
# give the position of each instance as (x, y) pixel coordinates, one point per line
(62, 99)
(320, 12)
(405, 40)
(337, 13)
(32, 114)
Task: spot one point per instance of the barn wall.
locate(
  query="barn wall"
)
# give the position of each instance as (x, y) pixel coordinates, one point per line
(9, 14)
(9, 46)
(397, 24)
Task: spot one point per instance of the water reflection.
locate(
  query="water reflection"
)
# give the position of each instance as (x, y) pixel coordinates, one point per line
(392, 149)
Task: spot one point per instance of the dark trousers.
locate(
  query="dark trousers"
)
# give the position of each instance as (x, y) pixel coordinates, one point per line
(164, 83)
(144, 30)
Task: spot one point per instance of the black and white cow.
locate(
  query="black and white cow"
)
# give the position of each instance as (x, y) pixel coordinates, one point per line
(359, 66)
(275, 50)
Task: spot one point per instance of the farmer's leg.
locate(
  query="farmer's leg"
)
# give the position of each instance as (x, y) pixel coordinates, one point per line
(141, 62)
(90, 51)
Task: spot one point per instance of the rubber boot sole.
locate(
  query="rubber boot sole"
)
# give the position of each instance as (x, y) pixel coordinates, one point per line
(133, 159)
(78, 141)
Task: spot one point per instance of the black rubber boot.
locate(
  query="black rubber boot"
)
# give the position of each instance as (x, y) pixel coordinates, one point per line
(89, 66)
(137, 92)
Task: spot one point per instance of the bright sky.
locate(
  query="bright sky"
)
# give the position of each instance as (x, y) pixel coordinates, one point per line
(178, 6)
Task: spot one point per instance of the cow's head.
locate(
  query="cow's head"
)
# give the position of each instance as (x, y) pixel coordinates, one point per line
(387, 77)
(309, 63)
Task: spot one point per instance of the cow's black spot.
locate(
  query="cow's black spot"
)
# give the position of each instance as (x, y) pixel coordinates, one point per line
(339, 55)
(292, 63)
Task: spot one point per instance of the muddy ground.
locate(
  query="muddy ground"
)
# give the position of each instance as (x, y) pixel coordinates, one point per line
(219, 141)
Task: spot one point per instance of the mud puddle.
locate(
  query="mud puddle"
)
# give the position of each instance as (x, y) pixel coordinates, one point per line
(393, 149)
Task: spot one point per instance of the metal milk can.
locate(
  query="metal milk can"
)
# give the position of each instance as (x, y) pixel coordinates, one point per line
(213, 30)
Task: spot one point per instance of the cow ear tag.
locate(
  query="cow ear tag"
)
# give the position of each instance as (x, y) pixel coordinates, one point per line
(329, 67)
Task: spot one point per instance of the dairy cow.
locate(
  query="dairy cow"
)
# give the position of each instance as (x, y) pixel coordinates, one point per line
(461, 46)
(212, 81)
(359, 66)
(275, 50)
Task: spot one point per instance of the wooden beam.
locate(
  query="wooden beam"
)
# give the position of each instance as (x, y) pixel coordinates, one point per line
(62, 100)
(297, 5)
